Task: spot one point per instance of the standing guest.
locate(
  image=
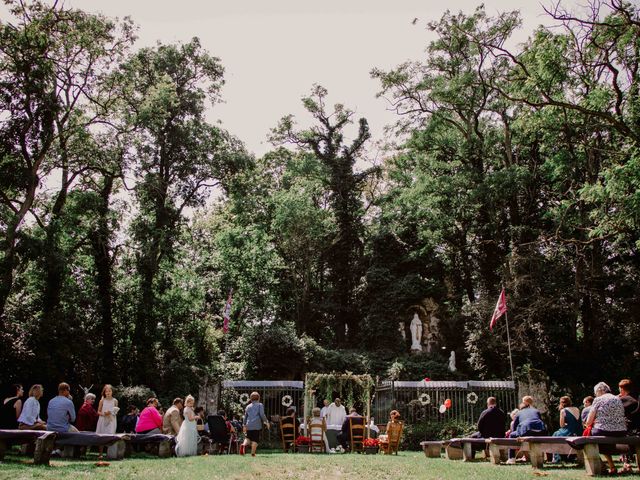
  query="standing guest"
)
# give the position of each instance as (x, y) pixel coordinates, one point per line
(172, 419)
(130, 420)
(586, 403)
(11, 408)
(336, 413)
(30, 416)
(187, 439)
(254, 418)
(325, 408)
(150, 420)
(107, 410)
(492, 421)
(606, 418)
(528, 422)
(570, 424)
(87, 416)
(61, 412)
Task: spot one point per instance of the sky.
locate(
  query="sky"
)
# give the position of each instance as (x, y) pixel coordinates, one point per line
(274, 51)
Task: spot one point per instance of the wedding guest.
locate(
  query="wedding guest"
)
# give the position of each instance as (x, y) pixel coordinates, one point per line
(87, 418)
(631, 406)
(11, 408)
(318, 421)
(254, 418)
(130, 420)
(570, 424)
(107, 410)
(336, 413)
(344, 437)
(30, 416)
(586, 403)
(606, 418)
(528, 422)
(492, 421)
(150, 420)
(172, 419)
(61, 412)
(325, 408)
(394, 419)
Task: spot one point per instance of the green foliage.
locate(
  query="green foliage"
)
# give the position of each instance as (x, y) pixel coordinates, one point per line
(419, 432)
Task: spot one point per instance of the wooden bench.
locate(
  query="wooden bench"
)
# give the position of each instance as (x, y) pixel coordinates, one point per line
(164, 442)
(432, 448)
(594, 446)
(43, 443)
(537, 447)
(452, 452)
(70, 443)
(469, 447)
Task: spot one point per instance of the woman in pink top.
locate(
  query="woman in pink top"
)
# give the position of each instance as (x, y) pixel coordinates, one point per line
(150, 420)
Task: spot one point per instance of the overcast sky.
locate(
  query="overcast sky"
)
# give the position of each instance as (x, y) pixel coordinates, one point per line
(273, 51)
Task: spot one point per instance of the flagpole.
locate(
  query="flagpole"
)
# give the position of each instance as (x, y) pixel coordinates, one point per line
(506, 318)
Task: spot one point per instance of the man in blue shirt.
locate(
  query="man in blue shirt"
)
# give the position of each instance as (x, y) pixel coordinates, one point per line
(61, 412)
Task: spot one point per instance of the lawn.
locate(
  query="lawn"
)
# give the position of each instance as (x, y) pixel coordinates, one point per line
(407, 465)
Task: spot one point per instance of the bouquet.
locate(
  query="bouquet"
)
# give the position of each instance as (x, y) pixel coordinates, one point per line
(371, 442)
(301, 440)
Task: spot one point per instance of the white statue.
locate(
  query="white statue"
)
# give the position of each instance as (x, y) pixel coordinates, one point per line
(416, 333)
(402, 331)
(452, 361)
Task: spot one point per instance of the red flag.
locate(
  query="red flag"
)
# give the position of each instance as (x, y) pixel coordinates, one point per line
(227, 312)
(501, 308)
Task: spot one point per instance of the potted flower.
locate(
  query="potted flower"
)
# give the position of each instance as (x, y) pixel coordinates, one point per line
(302, 444)
(371, 446)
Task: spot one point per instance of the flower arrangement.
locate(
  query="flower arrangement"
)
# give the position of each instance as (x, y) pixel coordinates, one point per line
(287, 401)
(371, 442)
(424, 399)
(472, 397)
(302, 440)
(244, 398)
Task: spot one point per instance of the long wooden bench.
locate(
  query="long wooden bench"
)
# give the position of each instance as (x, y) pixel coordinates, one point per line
(43, 441)
(537, 448)
(70, 443)
(594, 446)
(432, 448)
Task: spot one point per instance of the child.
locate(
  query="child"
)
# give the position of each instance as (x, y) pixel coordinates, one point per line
(107, 410)
(254, 417)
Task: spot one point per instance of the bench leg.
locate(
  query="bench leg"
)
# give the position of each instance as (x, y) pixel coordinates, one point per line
(164, 450)
(467, 452)
(44, 447)
(453, 453)
(433, 451)
(495, 453)
(592, 461)
(638, 456)
(536, 455)
(116, 451)
(580, 458)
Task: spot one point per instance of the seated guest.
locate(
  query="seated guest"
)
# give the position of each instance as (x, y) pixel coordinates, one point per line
(87, 415)
(318, 421)
(606, 417)
(631, 406)
(492, 421)
(291, 418)
(570, 424)
(344, 437)
(586, 403)
(513, 416)
(201, 421)
(30, 416)
(61, 412)
(172, 419)
(11, 408)
(130, 420)
(150, 420)
(394, 418)
(528, 422)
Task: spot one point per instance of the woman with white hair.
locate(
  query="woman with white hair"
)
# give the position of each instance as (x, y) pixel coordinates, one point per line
(606, 417)
(87, 418)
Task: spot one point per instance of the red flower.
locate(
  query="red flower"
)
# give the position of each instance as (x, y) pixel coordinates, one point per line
(303, 440)
(371, 442)
(427, 379)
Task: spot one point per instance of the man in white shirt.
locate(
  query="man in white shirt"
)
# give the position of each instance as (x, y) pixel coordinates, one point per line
(336, 413)
(325, 408)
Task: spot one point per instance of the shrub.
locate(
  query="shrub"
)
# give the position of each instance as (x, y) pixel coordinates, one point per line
(418, 432)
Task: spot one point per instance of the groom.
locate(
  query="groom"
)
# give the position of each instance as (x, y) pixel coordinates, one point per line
(173, 418)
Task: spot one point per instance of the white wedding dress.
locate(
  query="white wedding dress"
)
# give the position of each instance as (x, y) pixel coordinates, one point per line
(187, 439)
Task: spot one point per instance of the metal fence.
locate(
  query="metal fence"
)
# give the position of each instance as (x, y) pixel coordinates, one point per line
(276, 396)
(420, 401)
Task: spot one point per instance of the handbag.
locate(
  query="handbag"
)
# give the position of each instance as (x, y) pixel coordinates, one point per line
(587, 431)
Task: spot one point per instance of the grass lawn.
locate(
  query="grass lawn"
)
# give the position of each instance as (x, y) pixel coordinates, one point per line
(267, 465)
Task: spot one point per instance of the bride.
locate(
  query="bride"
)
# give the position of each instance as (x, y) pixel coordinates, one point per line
(187, 439)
